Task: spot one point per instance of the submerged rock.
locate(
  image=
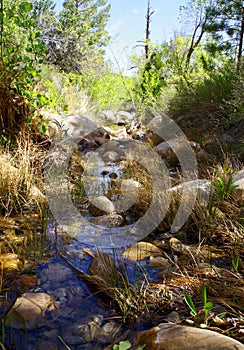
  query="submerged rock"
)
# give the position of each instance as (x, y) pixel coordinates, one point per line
(108, 332)
(29, 311)
(175, 337)
(56, 273)
(82, 332)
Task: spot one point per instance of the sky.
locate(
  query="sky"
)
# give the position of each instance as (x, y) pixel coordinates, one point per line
(127, 26)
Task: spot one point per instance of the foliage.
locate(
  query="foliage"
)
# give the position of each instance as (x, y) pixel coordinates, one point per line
(111, 91)
(223, 185)
(22, 53)
(207, 305)
(150, 81)
(227, 27)
(77, 39)
(65, 91)
(222, 20)
(21, 50)
(125, 345)
(213, 87)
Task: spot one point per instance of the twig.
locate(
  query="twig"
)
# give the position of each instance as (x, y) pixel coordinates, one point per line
(63, 342)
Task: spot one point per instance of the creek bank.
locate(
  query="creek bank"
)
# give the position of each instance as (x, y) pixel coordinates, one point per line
(176, 266)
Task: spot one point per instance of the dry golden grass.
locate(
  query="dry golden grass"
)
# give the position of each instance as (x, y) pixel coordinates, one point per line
(20, 177)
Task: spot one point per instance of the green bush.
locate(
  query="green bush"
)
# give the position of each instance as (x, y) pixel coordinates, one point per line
(111, 91)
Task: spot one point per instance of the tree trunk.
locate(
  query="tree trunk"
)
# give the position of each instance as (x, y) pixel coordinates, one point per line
(148, 18)
(1, 30)
(240, 46)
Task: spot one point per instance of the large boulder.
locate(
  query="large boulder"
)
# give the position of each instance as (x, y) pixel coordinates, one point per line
(176, 337)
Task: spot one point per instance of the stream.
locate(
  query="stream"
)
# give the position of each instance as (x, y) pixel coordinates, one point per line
(82, 319)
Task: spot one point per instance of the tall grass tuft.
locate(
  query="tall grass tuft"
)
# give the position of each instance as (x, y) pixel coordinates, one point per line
(20, 177)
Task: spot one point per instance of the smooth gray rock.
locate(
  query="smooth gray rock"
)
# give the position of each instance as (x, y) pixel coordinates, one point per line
(101, 205)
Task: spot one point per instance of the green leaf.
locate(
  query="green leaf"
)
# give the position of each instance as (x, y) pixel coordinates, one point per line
(191, 305)
(204, 295)
(25, 6)
(42, 129)
(123, 345)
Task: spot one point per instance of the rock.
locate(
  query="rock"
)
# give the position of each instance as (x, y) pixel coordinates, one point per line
(101, 205)
(159, 262)
(203, 188)
(125, 116)
(226, 138)
(107, 116)
(173, 317)
(28, 281)
(130, 186)
(111, 220)
(9, 262)
(166, 152)
(28, 311)
(202, 155)
(110, 157)
(82, 332)
(238, 183)
(108, 333)
(171, 149)
(128, 190)
(56, 273)
(119, 133)
(152, 136)
(176, 337)
(141, 250)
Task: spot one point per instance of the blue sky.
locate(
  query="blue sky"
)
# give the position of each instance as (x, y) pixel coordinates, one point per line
(127, 25)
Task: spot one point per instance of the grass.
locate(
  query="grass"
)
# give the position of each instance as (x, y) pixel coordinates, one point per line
(133, 300)
(20, 177)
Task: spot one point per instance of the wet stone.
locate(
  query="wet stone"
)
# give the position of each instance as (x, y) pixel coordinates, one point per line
(83, 331)
(108, 332)
(29, 311)
(57, 273)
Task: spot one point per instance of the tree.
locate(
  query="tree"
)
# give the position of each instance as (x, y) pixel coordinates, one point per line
(222, 20)
(228, 27)
(45, 17)
(148, 21)
(199, 10)
(80, 36)
(21, 51)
